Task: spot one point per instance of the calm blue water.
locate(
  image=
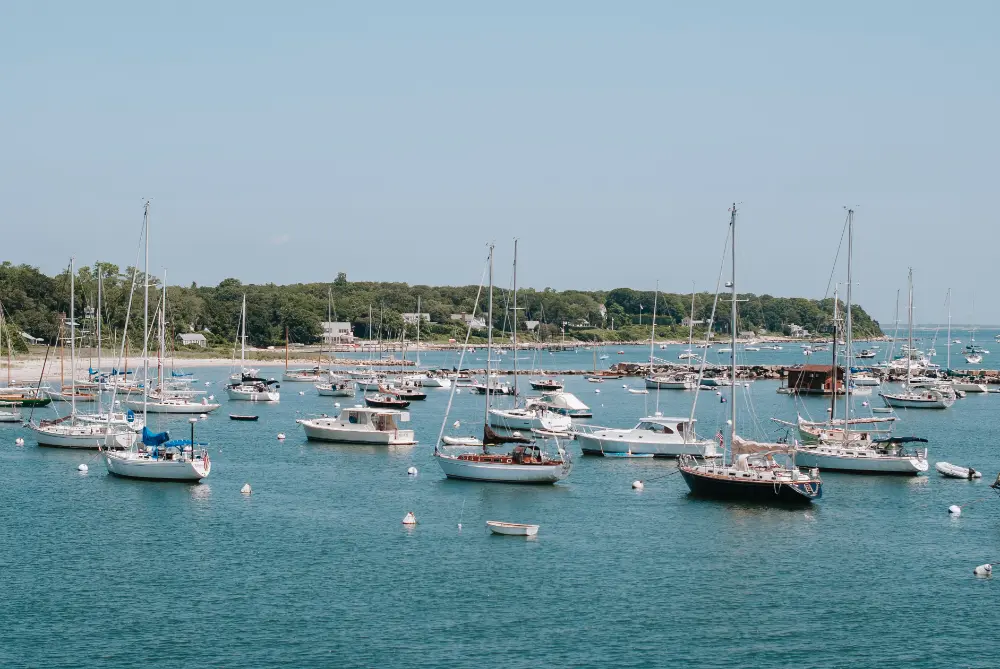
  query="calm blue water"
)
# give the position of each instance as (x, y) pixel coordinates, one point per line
(315, 569)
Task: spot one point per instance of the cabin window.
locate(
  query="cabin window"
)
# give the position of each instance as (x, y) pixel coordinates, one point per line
(352, 418)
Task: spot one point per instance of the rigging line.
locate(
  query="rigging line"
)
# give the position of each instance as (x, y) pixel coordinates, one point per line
(711, 321)
(833, 269)
(128, 317)
(461, 358)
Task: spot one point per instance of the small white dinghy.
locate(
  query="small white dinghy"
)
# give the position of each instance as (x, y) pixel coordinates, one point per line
(638, 391)
(954, 471)
(512, 529)
(462, 441)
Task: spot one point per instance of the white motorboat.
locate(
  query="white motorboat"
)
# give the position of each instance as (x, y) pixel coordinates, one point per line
(949, 470)
(529, 418)
(561, 402)
(716, 381)
(969, 386)
(511, 529)
(974, 358)
(10, 416)
(655, 436)
(865, 379)
(361, 425)
(435, 382)
(462, 441)
(638, 391)
(340, 388)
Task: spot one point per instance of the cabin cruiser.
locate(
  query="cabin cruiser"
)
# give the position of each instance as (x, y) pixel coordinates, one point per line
(654, 436)
(561, 402)
(361, 425)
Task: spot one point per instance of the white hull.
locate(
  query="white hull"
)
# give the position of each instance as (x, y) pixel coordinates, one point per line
(7, 417)
(916, 402)
(172, 407)
(330, 430)
(671, 384)
(527, 420)
(501, 473)
(949, 470)
(82, 436)
(335, 392)
(247, 395)
(865, 381)
(435, 382)
(131, 465)
(625, 443)
(862, 461)
(970, 387)
(512, 529)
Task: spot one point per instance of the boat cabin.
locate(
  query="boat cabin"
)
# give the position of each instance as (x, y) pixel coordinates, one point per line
(813, 379)
(668, 426)
(380, 420)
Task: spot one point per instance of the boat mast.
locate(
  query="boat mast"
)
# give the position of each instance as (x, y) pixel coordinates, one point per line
(72, 331)
(909, 337)
(833, 364)
(243, 335)
(162, 353)
(489, 344)
(419, 318)
(145, 317)
(286, 348)
(848, 325)
(515, 322)
(100, 344)
(652, 341)
(948, 365)
(691, 330)
(732, 328)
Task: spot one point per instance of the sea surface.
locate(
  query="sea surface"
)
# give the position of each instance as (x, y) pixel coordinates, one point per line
(315, 569)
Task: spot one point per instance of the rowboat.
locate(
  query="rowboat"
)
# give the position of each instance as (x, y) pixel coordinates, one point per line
(234, 416)
(512, 529)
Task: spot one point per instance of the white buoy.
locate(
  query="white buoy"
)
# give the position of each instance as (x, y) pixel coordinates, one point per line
(597, 390)
(409, 519)
(746, 385)
(637, 485)
(302, 392)
(955, 510)
(864, 404)
(457, 424)
(203, 416)
(729, 421)
(458, 391)
(208, 383)
(718, 392)
(624, 385)
(460, 527)
(983, 570)
(246, 489)
(336, 404)
(211, 398)
(82, 468)
(281, 436)
(412, 471)
(19, 441)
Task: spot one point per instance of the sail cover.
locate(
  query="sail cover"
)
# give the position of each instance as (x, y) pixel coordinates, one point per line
(154, 439)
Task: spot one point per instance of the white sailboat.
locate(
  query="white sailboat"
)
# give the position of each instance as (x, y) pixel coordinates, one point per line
(526, 462)
(856, 451)
(157, 457)
(250, 387)
(69, 431)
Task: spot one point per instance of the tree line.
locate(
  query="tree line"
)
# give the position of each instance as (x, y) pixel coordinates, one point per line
(34, 303)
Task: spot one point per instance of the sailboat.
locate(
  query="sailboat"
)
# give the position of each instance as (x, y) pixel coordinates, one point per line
(858, 451)
(910, 397)
(304, 375)
(158, 457)
(69, 431)
(7, 416)
(752, 472)
(525, 462)
(532, 416)
(250, 387)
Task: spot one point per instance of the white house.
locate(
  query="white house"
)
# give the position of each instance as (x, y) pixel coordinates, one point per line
(31, 340)
(797, 330)
(411, 319)
(476, 322)
(531, 326)
(193, 339)
(337, 332)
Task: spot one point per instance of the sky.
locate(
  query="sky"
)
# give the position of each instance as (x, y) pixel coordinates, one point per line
(286, 142)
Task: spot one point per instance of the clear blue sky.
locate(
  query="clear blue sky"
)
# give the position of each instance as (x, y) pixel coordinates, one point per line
(285, 142)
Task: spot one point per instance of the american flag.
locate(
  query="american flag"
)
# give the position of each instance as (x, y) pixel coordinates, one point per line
(718, 436)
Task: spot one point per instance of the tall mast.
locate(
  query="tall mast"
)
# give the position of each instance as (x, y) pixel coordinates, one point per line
(162, 354)
(286, 348)
(833, 364)
(243, 334)
(652, 341)
(72, 330)
(145, 318)
(732, 328)
(848, 325)
(691, 330)
(948, 365)
(489, 342)
(100, 344)
(419, 318)
(909, 337)
(515, 321)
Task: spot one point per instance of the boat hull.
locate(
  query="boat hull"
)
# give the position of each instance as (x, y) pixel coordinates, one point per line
(241, 395)
(157, 407)
(750, 491)
(618, 444)
(85, 437)
(853, 463)
(517, 419)
(511, 529)
(128, 466)
(470, 470)
(434, 382)
(899, 402)
(342, 435)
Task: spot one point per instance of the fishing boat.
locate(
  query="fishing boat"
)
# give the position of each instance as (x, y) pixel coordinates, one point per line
(361, 425)
(949, 470)
(249, 387)
(337, 388)
(653, 436)
(865, 379)
(526, 461)
(752, 472)
(511, 529)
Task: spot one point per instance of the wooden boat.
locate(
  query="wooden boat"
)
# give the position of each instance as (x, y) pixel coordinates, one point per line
(949, 470)
(235, 416)
(512, 529)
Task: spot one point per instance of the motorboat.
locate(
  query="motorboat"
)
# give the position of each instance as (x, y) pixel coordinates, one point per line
(655, 436)
(385, 401)
(529, 418)
(361, 425)
(969, 386)
(10, 417)
(716, 381)
(339, 388)
(435, 382)
(863, 379)
(683, 381)
(546, 384)
(561, 402)
(243, 417)
(511, 529)
(866, 354)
